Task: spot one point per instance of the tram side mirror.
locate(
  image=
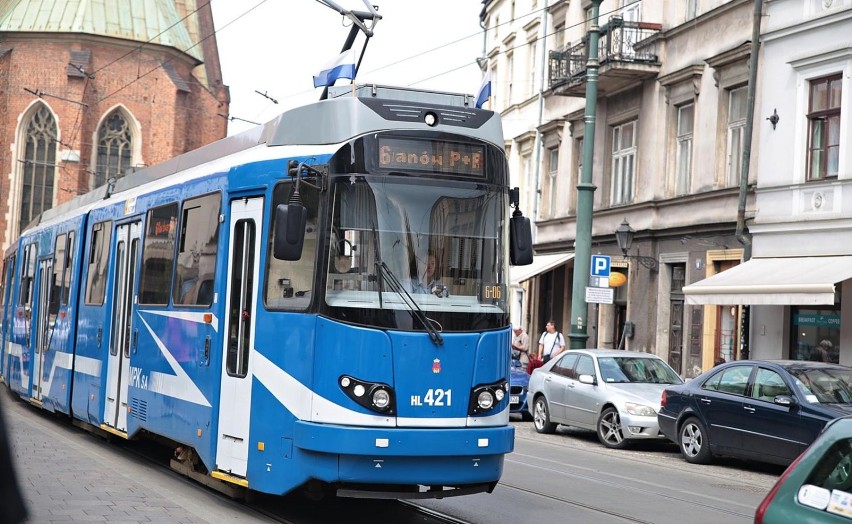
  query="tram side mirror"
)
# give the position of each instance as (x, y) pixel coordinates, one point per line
(290, 223)
(520, 241)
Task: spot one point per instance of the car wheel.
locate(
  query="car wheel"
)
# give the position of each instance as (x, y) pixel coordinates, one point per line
(541, 417)
(694, 442)
(610, 432)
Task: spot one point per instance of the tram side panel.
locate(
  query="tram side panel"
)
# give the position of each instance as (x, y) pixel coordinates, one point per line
(93, 318)
(176, 319)
(56, 321)
(9, 261)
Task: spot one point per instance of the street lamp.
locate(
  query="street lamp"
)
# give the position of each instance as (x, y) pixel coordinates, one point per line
(624, 237)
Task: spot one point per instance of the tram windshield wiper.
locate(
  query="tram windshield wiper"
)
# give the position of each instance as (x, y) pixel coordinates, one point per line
(385, 274)
(416, 312)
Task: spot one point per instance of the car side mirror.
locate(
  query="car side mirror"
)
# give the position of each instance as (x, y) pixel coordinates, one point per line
(785, 400)
(587, 379)
(290, 222)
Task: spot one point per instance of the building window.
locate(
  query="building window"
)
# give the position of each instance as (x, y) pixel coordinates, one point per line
(526, 179)
(691, 9)
(533, 68)
(623, 163)
(811, 325)
(684, 148)
(824, 127)
(559, 37)
(114, 149)
(553, 170)
(736, 134)
(510, 73)
(39, 166)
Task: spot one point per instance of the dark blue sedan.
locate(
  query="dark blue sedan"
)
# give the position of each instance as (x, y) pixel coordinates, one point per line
(768, 411)
(519, 381)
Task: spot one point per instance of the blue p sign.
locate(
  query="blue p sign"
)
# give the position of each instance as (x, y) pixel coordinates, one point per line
(600, 265)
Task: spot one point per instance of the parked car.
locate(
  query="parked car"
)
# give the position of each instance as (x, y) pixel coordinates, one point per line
(768, 411)
(519, 381)
(817, 486)
(616, 393)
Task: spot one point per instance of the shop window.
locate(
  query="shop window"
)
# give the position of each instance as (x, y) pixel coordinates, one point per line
(810, 326)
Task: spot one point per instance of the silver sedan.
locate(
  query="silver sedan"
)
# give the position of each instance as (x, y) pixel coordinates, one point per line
(616, 393)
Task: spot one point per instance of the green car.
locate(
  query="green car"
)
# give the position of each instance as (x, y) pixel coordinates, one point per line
(817, 487)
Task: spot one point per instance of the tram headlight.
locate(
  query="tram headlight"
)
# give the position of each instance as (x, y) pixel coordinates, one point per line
(381, 398)
(374, 396)
(485, 398)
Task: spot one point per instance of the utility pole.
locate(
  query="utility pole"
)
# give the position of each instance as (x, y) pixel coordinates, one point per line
(585, 193)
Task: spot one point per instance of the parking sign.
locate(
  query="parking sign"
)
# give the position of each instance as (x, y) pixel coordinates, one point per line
(600, 265)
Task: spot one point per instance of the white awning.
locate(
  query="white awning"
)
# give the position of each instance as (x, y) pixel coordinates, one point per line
(773, 281)
(541, 264)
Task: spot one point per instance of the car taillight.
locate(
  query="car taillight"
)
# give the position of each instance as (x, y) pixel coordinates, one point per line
(663, 399)
(761, 510)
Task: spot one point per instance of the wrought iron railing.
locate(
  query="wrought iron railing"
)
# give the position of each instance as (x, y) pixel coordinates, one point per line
(620, 42)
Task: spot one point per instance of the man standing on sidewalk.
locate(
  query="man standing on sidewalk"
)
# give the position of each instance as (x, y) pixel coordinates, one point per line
(12, 510)
(551, 342)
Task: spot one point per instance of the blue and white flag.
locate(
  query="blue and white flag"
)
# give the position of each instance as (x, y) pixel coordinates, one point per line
(341, 67)
(484, 90)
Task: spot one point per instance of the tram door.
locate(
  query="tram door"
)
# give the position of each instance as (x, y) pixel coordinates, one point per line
(242, 282)
(118, 361)
(43, 327)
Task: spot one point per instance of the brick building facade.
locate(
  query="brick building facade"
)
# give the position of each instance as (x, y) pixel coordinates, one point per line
(87, 94)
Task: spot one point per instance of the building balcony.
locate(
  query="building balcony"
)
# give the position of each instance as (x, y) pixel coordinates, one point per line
(627, 52)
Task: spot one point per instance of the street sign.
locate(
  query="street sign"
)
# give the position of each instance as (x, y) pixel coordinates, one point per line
(599, 295)
(600, 265)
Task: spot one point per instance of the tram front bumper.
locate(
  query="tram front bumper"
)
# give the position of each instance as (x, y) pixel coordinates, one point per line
(442, 456)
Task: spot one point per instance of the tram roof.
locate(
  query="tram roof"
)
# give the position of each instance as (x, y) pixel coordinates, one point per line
(349, 112)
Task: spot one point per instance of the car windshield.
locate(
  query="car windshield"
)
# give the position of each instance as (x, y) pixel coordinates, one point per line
(637, 369)
(828, 385)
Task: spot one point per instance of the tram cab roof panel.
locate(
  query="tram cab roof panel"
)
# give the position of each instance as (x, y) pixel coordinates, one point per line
(378, 108)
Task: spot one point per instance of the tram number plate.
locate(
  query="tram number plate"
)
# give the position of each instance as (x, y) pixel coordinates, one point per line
(434, 397)
(514, 399)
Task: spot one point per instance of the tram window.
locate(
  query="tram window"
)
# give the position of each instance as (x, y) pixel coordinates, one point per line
(289, 283)
(98, 262)
(244, 240)
(197, 247)
(158, 255)
(56, 281)
(66, 277)
(28, 275)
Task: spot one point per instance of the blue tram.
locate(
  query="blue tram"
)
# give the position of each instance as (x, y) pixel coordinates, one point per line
(317, 302)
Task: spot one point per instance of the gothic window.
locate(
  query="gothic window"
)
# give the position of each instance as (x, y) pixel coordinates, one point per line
(39, 166)
(114, 148)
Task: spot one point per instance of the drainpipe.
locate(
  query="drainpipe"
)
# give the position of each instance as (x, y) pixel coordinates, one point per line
(585, 193)
(742, 233)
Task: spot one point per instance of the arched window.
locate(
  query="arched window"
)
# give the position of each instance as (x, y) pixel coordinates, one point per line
(39, 164)
(114, 148)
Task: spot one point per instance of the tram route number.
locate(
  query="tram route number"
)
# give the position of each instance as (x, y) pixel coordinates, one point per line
(434, 397)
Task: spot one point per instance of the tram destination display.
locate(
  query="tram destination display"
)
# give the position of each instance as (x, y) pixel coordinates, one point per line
(434, 156)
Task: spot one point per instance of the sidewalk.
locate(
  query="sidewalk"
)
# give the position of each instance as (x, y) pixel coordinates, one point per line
(69, 475)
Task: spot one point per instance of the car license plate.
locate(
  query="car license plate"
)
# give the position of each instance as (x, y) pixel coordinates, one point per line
(514, 399)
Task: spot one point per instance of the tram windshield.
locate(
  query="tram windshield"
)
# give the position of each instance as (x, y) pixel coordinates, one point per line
(399, 244)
